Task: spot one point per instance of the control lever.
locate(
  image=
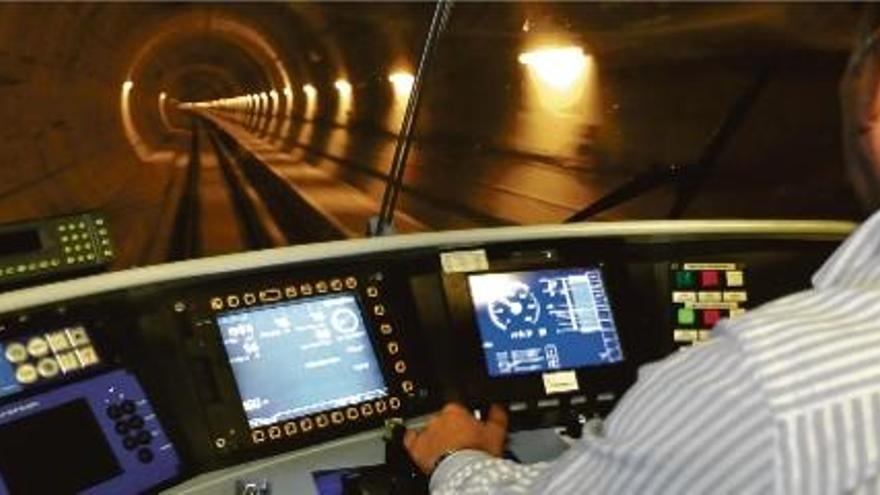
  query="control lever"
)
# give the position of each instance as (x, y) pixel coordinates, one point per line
(397, 476)
(405, 475)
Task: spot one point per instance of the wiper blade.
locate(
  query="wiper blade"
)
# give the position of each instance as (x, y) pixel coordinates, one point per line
(690, 177)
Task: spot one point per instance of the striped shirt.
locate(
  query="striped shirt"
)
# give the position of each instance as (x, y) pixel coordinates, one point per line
(784, 399)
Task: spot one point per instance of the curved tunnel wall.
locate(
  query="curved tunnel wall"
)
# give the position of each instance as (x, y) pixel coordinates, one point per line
(485, 152)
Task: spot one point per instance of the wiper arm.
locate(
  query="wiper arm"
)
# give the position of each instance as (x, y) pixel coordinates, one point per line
(691, 177)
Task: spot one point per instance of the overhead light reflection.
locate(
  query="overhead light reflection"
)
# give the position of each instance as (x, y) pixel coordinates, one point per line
(343, 106)
(402, 82)
(559, 68)
(311, 101)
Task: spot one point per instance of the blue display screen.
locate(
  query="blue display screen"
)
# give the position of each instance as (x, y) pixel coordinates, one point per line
(299, 358)
(544, 320)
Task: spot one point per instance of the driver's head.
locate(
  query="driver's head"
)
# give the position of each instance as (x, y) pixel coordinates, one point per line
(860, 105)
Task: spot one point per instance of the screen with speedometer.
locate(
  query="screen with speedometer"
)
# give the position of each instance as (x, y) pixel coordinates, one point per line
(544, 320)
(297, 358)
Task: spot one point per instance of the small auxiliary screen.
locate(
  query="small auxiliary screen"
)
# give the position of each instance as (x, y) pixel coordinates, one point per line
(60, 450)
(298, 358)
(20, 242)
(535, 321)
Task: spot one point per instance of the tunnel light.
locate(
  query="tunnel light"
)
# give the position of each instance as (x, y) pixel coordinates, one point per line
(310, 90)
(273, 94)
(343, 86)
(558, 67)
(127, 86)
(288, 92)
(402, 82)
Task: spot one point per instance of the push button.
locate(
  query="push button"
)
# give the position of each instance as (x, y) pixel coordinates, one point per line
(685, 280)
(711, 317)
(128, 406)
(734, 278)
(37, 347)
(136, 423)
(686, 316)
(709, 278)
(144, 437)
(16, 353)
(114, 412)
(130, 443)
(145, 456)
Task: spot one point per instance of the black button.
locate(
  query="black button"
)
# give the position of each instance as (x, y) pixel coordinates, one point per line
(121, 427)
(135, 422)
(128, 407)
(114, 412)
(144, 437)
(145, 456)
(130, 443)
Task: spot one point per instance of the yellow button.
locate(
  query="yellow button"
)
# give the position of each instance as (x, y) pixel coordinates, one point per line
(78, 336)
(37, 347)
(58, 341)
(26, 374)
(736, 296)
(87, 356)
(734, 278)
(16, 353)
(48, 367)
(68, 362)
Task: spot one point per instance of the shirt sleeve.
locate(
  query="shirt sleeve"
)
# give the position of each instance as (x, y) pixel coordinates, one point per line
(693, 423)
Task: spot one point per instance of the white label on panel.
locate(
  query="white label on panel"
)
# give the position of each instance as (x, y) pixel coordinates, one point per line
(464, 261)
(560, 382)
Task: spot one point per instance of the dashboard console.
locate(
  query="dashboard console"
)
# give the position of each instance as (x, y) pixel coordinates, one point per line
(262, 364)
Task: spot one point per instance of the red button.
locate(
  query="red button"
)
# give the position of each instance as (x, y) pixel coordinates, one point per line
(709, 279)
(711, 317)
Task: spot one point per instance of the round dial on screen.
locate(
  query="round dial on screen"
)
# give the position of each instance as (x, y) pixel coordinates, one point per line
(516, 309)
(344, 320)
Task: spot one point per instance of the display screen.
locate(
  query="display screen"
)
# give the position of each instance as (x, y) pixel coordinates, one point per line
(299, 358)
(544, 320)
(60, 450)
(20, 242)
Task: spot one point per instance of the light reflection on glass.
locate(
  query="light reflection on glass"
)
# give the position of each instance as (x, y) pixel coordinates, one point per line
(343, 107)
(561, 99)
(402, 82)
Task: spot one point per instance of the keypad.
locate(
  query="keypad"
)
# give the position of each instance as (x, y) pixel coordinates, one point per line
(131, 427)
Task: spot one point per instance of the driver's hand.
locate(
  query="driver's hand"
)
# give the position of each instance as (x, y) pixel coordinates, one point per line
(455, 428)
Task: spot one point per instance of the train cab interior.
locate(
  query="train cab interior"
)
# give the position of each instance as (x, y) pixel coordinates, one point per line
(244, 247)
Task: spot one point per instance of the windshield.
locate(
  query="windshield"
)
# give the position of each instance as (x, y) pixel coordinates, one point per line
(202, 129)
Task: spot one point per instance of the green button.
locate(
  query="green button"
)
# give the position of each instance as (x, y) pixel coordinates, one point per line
(685, 280)
(686, 316)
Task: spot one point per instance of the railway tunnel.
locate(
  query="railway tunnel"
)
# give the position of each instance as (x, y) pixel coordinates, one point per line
(201, 129)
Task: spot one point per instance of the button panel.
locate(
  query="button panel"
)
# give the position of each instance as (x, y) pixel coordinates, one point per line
(701, 295)
(36, 358)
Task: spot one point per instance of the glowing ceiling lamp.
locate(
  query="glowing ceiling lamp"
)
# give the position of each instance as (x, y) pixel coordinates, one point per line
(560, 68)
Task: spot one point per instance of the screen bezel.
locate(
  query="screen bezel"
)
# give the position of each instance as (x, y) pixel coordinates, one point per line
(594, 382)
(212, 374)
(370, 336)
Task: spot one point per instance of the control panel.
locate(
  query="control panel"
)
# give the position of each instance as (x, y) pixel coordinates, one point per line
(115, 387)
(703, 293)
(95, 436)
(50, 249)
(43, 357)
(297, 360)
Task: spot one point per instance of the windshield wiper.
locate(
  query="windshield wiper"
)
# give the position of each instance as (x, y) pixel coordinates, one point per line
(383, 224)
(691, 177)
